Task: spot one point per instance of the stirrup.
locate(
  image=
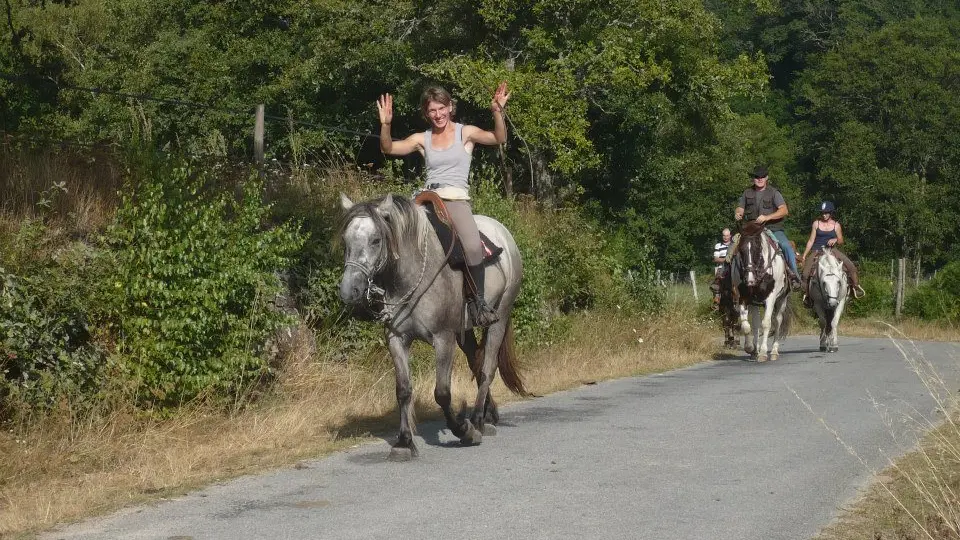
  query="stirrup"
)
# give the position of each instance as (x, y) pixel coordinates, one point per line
(857, 289)
(807, 301)
(481, 313)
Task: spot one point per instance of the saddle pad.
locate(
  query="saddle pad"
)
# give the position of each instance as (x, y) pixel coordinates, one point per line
(491, 251)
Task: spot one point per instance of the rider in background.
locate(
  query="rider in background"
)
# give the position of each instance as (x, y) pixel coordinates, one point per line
(447, 151)
(827, 232)
(720, 250)
(765, 204)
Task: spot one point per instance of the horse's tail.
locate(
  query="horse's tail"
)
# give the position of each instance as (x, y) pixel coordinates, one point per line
(507, 363)
(786, 323)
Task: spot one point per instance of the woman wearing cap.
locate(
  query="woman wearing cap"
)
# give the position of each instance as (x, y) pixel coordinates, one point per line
(827, 232)
(447, 148)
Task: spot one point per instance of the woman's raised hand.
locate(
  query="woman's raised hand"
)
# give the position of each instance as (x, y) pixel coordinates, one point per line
(385, 108)
(500, 97)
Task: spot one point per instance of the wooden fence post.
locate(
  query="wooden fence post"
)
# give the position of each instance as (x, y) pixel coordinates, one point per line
(693, 281)
(258, 137)
(901, 279)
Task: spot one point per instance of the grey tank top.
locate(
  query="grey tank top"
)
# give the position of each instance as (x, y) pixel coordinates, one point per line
(450, 167)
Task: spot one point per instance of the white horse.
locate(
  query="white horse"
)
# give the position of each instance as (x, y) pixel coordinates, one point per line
(759, 276)
(393, 258)
(828, 290)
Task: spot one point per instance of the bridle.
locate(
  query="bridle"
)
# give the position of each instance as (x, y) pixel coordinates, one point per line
(830, 272)
(375, 294)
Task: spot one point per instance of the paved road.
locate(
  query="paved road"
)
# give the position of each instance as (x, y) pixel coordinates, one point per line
(723, 450)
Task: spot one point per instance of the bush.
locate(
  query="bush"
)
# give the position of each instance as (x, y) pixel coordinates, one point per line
(194, 276)
(878, 301)
(48, 350)
(570, 263)
(939, 298)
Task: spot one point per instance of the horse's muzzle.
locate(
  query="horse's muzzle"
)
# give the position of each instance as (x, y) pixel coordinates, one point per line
(351, 288)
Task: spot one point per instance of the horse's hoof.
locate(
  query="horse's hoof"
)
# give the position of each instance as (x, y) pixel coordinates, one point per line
(833, 349)
(471, 437)
(401, 453)
(762, 358)
(823, 348)
(489, 430)
(774, 357)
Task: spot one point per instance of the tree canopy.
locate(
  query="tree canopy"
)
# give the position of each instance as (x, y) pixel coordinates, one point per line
(649, 113)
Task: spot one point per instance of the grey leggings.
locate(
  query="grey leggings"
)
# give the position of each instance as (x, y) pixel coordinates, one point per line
(462, 216)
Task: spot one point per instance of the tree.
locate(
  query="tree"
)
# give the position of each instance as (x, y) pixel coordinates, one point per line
(884, 133)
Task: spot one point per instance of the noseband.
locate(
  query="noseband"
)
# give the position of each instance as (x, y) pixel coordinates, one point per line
(373, 292)
(830, 272)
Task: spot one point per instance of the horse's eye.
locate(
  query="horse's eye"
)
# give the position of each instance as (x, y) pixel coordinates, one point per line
(375, 241)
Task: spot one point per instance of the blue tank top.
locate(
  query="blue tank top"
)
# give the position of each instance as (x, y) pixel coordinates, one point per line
(823, 237)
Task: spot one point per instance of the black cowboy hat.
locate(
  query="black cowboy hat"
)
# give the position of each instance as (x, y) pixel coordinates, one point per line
(759, 171)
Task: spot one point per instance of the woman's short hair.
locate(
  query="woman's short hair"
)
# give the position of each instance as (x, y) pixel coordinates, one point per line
(438, 94)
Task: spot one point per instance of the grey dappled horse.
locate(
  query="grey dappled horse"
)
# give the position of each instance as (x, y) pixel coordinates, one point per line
(828, 290)
(759, 277)
(393, 256)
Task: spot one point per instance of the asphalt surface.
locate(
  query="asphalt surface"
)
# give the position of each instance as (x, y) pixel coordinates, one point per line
(722, 450)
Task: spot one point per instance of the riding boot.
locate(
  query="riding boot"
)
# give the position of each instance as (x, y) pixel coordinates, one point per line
(805, 287)
(482, 314)
(795, 282)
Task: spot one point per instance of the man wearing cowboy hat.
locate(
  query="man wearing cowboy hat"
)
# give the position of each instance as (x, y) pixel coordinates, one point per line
(764, 204)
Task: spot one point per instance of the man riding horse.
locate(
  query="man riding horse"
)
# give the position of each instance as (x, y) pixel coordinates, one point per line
(765, 205)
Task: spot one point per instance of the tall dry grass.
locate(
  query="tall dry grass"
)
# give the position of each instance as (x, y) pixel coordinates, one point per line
(65, 469)
(75, 191)
(918, 496)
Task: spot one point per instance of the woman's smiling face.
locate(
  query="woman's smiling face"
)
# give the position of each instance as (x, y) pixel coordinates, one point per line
(438, 113)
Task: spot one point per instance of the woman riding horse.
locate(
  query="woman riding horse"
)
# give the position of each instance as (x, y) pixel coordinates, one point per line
(827, 232)
(446, 148)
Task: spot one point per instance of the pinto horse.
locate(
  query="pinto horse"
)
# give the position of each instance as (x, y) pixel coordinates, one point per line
(759, 278)
(393, 259)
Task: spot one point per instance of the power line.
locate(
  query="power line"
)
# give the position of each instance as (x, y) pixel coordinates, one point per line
(185, 103)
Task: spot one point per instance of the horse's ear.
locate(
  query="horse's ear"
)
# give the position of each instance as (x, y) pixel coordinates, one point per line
(345, 202)
(385, 207)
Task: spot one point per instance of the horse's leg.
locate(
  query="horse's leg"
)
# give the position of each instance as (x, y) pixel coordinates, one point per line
(749, 345)
(443, 345)
(492, 338)
(744, 319)
(755, 323)
(768, 309)
(778, 307)
(468, 345)
(404, 449)
(835, 326)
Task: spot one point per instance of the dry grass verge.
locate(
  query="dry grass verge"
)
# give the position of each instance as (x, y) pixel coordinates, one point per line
(918, 496)
(63, 470)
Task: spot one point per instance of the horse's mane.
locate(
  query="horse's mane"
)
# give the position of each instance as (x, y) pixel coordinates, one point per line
(401, 225)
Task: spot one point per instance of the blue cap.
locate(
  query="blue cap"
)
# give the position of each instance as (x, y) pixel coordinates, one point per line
(827, 206)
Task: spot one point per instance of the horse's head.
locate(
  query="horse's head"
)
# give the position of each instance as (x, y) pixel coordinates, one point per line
(831, 277)
(367, 244)
(750, 252)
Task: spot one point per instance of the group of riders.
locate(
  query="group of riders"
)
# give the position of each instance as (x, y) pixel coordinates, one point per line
(764, 204)
(447, 148)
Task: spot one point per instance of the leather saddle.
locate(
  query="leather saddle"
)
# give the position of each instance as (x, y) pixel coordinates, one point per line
(443, 225)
